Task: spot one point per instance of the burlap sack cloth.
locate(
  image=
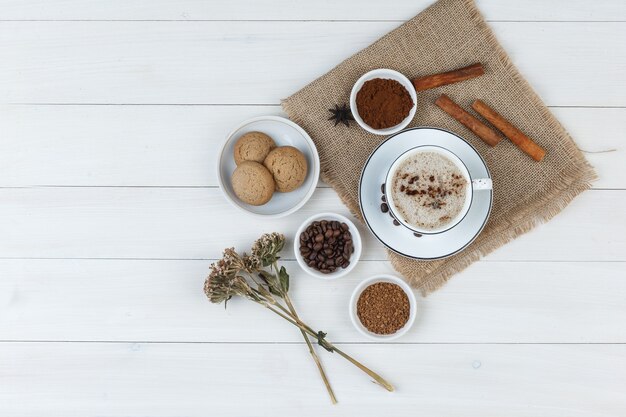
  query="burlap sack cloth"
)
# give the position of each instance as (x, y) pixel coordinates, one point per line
(448, 35)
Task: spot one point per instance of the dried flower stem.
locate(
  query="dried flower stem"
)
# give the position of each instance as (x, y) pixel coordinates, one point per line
(332, 348)
(333, 399)
(226, 281)
(316, 358)
(292, 312)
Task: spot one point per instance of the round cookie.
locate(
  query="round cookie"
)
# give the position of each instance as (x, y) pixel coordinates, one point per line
(253, 183)
(253, 146)
(288, 166)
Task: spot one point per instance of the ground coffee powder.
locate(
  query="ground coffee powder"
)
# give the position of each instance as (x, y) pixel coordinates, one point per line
(383, 103)
(383, 308)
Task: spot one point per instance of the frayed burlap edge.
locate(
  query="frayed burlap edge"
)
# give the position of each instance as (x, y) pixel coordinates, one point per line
(575, 179)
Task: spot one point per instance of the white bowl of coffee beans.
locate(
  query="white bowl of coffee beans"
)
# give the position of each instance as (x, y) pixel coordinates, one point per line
(327, 246)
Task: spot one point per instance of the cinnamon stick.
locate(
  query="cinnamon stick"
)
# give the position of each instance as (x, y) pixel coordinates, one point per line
(515, 135)
(488, 135)
(450, 77)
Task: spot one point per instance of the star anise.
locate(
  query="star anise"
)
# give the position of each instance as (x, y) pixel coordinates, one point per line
(341, 115)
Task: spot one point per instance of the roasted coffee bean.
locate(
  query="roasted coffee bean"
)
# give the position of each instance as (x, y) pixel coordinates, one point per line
(396, 223)
(384, 208)
(382, 188)
(383, 198)
(326, 245)
(417, 234)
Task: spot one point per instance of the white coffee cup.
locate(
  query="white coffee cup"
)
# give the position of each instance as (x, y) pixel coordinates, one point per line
(472, 185)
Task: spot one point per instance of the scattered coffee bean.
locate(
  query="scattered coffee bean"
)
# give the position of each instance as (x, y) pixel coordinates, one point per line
(383, 198)
(417, 234)
(384, 208)
(382, 188)
(326, 245)
(396, 223)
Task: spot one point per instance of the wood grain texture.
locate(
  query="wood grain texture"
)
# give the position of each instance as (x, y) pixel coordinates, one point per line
(198, 223)
(534, 329)
(177, 145)
(212, 62)
(528, 10)
(163, 380)
(162, 301)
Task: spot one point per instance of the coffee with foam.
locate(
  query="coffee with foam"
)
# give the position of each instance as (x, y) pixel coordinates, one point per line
(428, 190)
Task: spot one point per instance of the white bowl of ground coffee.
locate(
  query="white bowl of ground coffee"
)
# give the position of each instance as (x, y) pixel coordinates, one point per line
(383, 307)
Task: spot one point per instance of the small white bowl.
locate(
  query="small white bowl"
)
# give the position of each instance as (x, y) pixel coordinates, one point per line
(373, 280)
(390, 75)
(284, 132)
(356, 241)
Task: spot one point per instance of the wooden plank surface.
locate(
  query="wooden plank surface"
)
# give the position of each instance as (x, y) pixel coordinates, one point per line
(192, 223)
(110, 117)
(262, 62)
(162, 380)
(177, 145)
(528, 10)
(162, 301)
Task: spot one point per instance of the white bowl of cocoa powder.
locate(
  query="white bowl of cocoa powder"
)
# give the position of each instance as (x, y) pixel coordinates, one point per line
(383, 307)
(383, 101)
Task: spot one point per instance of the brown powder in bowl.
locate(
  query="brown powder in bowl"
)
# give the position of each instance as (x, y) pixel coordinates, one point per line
(383, 103)
(383, 308)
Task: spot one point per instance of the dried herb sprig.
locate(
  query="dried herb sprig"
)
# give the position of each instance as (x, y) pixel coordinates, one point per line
(257, 277)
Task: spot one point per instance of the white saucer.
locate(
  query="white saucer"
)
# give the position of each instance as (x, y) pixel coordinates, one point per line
(399, 238)
(284, 132)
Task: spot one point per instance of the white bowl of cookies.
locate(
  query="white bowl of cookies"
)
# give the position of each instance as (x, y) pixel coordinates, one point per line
(268, 167)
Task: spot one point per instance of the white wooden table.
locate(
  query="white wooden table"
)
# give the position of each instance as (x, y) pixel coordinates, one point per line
(110, 217)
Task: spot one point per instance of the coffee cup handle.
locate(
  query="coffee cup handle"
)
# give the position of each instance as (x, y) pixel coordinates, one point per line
(482, 184)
